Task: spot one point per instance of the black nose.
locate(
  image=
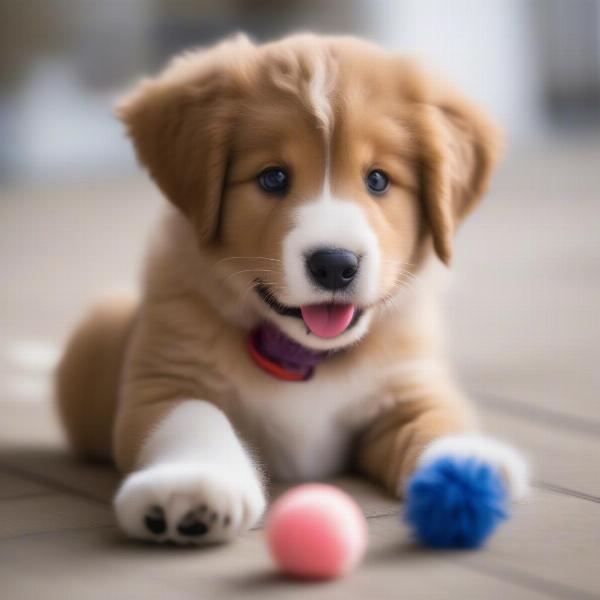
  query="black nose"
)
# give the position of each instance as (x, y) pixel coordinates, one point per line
(331, 268)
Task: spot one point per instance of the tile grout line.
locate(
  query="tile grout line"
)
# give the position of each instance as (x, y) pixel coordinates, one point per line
(56, 531)
(514, 407)
(564, 491)
(26, 495)
(52, 483)
(396, 513)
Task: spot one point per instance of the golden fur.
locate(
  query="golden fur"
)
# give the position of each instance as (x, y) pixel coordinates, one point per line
(204, 129)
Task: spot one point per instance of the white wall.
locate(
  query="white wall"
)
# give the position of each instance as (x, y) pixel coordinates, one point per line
(485, 46)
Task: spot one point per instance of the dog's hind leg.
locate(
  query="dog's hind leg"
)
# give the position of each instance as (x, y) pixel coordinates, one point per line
(88, 377)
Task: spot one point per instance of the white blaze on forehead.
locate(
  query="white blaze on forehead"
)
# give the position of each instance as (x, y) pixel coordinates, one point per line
(320, 88)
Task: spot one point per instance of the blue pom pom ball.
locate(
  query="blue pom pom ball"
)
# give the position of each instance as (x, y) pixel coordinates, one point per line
(455, 502)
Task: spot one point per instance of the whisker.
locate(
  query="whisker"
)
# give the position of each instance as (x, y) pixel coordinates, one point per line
(397, 262)
(245, 271)
(230, 258)
(404, 283)
(253, 285)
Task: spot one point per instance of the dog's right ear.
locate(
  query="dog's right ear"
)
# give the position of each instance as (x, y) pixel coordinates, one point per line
(180, 124)
(458, 147)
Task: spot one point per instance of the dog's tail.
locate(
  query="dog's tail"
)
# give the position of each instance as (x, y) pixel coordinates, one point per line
(88, 377)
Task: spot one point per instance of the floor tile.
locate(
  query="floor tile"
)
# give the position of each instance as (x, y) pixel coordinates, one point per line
(102, 565)
(553, 538)
(522, 307)
(558, 456)
(29, 424)
(550, 544)
(57, 469)
(12, 486)
(54, 512)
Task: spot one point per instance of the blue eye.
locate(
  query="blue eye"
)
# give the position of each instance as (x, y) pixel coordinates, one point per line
(377, 182)
(274, 180)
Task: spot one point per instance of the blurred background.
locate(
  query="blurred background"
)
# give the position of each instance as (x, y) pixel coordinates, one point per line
(75, 209)
(535, 64)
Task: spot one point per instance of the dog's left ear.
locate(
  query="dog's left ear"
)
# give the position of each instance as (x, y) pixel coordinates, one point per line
(459, 146)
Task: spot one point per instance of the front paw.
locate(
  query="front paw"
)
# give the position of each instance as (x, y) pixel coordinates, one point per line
(187, 504)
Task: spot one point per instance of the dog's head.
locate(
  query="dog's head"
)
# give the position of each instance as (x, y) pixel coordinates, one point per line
(316, 171)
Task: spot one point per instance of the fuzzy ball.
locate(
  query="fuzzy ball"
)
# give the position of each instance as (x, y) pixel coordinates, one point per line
(455, 502)
(316, 531)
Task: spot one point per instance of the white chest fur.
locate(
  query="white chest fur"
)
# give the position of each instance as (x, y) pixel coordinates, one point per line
(304, 430)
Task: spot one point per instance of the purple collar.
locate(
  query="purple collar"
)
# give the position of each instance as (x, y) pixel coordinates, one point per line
(282, 357)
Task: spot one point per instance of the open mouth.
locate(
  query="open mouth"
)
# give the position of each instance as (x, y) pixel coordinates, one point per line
(325, 320)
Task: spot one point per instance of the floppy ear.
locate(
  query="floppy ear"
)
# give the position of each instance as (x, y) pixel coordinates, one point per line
(459, 147)
(180, 124)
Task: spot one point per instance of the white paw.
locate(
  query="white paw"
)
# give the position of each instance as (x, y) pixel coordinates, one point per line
(511, 463)
(187, 504)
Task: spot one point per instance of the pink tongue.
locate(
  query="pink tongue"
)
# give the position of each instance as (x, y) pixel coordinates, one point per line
(328, 320)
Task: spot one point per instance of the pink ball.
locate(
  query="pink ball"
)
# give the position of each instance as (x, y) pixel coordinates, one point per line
(316, 531)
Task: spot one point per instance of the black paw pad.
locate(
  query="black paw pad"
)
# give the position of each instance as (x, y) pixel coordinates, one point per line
(155, 520)
(190, 526)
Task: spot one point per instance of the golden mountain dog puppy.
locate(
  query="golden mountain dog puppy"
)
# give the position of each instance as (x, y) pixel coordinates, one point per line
(287, 326)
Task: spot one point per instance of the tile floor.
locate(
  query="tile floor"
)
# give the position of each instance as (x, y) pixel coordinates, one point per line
(524, 335)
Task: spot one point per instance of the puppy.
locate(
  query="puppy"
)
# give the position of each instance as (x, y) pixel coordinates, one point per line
(287, 326)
